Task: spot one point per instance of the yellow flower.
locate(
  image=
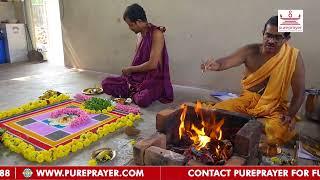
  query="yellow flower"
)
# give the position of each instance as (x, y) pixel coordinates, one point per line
(26, 153)
(32, 105)
(13, 148)
(109, 109)
(106, 133)
(130, 123)
(17, 141)
(79, 145)
(94, 137)
(40, 158)
(86, 143)
(130, 115)
(47, 156)
(22, 146)
(31, 148)
(32, 155)
(89, 134)
(74, 148)
(100, 135)
(56, 153)
(67, 148)
(53, 153)
(133, 142)
(92, 162)
(112, 127)
(118, 126)
(60, 151)
(60, 148)
(137, 116)
(6, 136)
(83, 136)
(100, 131)
(74, 142)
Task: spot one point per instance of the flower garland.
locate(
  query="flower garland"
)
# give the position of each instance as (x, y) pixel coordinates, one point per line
(82, 97)
(28, 151)
(128, 108)
(33, 105)
(82, 118)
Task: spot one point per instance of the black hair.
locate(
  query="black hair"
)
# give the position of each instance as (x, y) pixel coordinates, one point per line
(274, 22)
(135, 12)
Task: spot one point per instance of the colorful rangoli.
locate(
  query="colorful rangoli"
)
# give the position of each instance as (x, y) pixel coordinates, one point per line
(55, 130)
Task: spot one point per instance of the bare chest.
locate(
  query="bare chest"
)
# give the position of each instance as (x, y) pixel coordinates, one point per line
(254, 62)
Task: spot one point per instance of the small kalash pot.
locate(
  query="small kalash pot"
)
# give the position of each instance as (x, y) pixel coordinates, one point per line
(312, 107)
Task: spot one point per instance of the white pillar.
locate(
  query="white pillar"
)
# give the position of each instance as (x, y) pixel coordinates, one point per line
(55, 50)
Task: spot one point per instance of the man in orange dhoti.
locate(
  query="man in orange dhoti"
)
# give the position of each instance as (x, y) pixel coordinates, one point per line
(271, 67)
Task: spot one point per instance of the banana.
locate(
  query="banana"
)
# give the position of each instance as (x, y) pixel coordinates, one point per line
(101, 155)
(104, 155)
(107, 157)
(48, 94)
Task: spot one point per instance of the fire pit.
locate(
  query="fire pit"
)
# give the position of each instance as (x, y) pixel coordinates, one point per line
(215, 153)
(194, 135)
(202, 135)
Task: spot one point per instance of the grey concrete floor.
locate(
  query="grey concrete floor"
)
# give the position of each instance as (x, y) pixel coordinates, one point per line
(24, 82)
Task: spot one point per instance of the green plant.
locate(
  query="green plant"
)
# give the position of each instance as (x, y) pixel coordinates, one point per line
(97, 104)
(2, 131)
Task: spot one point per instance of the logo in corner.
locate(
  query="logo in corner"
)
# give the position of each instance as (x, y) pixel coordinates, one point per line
(290, 20)
(27, 173)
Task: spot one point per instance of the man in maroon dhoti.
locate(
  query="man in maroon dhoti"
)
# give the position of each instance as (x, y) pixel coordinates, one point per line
(148, 77)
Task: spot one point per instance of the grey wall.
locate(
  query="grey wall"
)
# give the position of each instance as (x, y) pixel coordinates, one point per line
(96, 38)
(19, 12)
(11, 10)
(6, 11)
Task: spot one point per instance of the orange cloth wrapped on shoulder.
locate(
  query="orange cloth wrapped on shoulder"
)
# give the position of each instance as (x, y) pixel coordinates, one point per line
(273, 103)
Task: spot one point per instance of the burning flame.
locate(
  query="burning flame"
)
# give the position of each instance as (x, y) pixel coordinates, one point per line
(182, 118)
(218, 149)
(198, 135)
(216, 129)
(200, 139)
